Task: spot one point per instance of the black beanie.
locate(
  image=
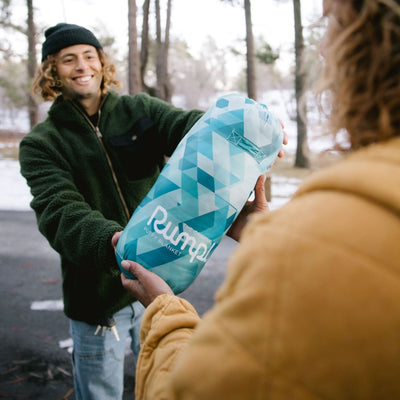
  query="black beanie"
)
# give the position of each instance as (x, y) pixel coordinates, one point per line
(64, 35)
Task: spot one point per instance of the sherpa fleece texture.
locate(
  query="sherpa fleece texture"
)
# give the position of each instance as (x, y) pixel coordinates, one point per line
(310, 308)
(75, 199)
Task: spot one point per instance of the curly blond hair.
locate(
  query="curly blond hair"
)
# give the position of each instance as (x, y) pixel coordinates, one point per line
(48, 86)
(362, 72)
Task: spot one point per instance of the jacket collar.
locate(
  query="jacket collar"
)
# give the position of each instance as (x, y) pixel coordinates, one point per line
(67, 112)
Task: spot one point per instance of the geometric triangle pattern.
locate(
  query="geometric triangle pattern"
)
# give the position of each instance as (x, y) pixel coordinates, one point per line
(201, 190)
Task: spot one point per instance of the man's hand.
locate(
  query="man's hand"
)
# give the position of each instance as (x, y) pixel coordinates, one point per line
(114, 239)
(147, 286)
(285, 140)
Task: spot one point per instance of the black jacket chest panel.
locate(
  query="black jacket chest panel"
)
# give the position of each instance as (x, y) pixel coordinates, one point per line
(137, 149)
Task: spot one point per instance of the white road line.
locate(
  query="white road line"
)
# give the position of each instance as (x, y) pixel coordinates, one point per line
(47, 305)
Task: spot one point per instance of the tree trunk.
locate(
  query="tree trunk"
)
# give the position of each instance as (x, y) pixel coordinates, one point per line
(167, 81)
(163, 82)
(159, 59)
(301, 151)
(144, 51)
(251, 71)
(32, 62)
(134, 73)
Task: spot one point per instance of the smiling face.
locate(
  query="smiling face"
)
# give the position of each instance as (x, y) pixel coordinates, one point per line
(80, 71)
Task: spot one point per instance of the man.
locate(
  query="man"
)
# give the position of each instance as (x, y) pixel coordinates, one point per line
(88, 165)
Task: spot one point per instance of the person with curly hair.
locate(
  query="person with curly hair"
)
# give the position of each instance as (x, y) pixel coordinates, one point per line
(310, 307)
(88, 165)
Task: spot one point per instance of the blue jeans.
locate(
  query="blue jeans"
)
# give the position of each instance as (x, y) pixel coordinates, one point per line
(98, 361)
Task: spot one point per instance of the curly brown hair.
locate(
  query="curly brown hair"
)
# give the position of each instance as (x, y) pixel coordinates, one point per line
(362, 72)
(48, 86)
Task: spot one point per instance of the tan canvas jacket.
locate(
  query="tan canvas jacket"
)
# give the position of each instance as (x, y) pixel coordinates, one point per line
(310, 308)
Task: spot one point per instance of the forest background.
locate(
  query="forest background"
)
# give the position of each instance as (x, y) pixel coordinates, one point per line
(184, 51)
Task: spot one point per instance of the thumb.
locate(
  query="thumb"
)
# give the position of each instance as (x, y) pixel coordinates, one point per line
(259, 189)
(260, 201)
(260, 183)
(134, 268)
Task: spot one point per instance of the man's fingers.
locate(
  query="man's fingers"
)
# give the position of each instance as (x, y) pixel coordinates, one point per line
(285, 138)
(284, 141)
(115, 238)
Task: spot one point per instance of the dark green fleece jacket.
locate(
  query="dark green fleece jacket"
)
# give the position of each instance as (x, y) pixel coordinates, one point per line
(69, 165)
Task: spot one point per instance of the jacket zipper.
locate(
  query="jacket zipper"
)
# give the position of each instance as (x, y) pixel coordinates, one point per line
(101, 141)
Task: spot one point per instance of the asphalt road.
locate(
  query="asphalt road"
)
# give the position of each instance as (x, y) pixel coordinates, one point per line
(33, 365)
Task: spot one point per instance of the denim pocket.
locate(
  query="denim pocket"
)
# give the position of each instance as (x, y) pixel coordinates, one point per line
(89, 347)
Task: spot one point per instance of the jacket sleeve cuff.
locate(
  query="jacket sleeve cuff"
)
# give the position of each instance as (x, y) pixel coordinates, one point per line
(106, 255)
(167, 313)
(167, 326)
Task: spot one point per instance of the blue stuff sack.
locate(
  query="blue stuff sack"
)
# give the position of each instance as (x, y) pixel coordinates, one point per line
(201, 190)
